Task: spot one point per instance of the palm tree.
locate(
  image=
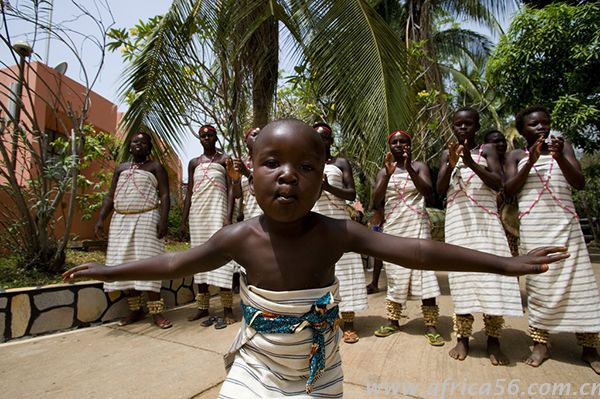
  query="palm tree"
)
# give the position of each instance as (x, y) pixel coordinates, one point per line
(221, 57)
(435, 54)
(211, 52)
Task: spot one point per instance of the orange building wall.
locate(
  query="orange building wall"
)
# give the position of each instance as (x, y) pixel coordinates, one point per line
(44, 85)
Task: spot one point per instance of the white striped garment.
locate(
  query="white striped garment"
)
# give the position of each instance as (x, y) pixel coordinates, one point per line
(405, 216)
(251, 209)
(133, 236)
(472, 221)
(208, 211)
(349, 269)
(565, 298)
(276, 365)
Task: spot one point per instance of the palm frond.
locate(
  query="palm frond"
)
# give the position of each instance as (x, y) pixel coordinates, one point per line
(359, 63)
(156, 79)
(453, 43)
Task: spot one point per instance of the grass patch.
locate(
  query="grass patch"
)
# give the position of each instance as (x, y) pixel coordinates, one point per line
(11, 276)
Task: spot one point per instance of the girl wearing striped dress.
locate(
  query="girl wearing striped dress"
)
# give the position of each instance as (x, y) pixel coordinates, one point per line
(469, 176)
(206, 208)
(566, 299)
(404, 185)
(139, 197)
(338, 187)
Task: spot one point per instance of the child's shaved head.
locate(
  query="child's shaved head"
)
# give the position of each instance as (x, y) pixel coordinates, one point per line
(299, 128)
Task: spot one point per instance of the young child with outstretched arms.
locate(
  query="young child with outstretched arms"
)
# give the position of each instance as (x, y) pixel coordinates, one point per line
(288, 342)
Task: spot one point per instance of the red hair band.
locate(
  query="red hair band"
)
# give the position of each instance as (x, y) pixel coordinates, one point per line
(206, 129)
(396, 132)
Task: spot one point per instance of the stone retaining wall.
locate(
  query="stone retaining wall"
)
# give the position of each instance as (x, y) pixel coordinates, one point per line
(42, 310)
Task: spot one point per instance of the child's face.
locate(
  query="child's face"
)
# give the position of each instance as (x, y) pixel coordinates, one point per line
(535, 125)
(399, 144)
(140, 145)
(288, 170)
(208, 138)
(465, 125)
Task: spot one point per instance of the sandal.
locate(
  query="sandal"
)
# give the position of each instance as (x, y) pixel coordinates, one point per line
(435, 339)
(386, 331)
(350, 337)
(220, 323)
(163, 323)
(208, 322)
(371, 289)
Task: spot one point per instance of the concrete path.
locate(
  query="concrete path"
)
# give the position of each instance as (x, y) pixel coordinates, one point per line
(141, 361)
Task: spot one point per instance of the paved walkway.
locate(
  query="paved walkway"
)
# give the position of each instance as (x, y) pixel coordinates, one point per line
(141, 361)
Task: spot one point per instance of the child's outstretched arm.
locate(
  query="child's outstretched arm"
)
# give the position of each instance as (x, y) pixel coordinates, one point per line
(208, 256)
(432, 255)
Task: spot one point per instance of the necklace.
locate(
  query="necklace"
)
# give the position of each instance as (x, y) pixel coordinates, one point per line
(136, 165)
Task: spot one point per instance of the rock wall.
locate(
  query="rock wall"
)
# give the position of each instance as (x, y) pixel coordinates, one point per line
(41, 310)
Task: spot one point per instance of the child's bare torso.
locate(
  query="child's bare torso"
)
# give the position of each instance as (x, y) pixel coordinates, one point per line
(286, 259)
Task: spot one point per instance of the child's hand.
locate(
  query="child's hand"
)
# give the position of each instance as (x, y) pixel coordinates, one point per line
(407, 156)
(233, 172)
(466, 154)
(556, 147)
(454, 152)
(99, 230)
(91, 271)
(535, 150)
(389, 164)
(536, 261)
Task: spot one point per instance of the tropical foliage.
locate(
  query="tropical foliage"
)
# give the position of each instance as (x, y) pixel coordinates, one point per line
(346, 44)
(550, 56)
(40, 169)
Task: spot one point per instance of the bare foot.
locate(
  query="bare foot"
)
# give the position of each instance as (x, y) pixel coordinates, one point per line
(538, 355)
(591, 357)
(461, 350)
(200, 313)
(132, 317)
(161, 321)
(228, 316)
(497, 357)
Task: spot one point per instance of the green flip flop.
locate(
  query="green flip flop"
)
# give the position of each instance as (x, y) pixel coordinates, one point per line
(435, 339)
(386, 331)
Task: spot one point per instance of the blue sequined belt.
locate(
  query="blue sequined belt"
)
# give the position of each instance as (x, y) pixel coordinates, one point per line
(319, 319)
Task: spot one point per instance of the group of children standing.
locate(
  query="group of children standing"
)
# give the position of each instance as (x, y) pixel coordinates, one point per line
(295, 275)
(472, 177)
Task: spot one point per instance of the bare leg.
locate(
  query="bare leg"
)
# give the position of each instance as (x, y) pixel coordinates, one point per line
(463, 326)
(373, 287)
(539, 354)
(136, 312)
(591, 357)
(589, 354)
(461, 350)
(493, 328)
(227, 302)
(350, 336)
(202, 299)
(497, 357)
(159, 319)
(540, 351)
(430, 316)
